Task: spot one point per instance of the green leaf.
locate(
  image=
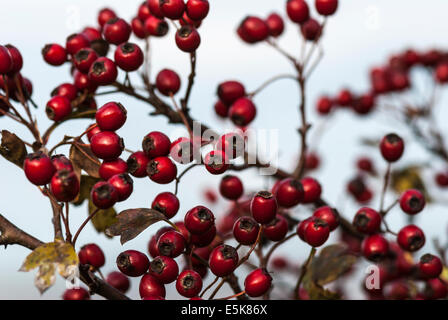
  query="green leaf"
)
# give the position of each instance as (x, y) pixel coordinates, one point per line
(132, 222)
(103, 219)
(12, 148)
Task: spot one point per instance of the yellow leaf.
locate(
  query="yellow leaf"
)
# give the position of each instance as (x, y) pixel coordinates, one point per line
(45, 277)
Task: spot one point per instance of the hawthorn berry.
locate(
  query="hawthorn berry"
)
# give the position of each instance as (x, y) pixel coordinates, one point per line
(64, 185)
(54, 54)
(91, 254)
(143, 11)
(204, 239)
(156, 144)
(107, 145)
(324, 105)
(187, 38)
(91, 33)
(276, 229)
(344, 98)
(312, 190)
(171, 244)
(301, 227)
(312, 161)
(317, 232)
(199, 219)
(232, 144)
(231, 187)
(168, 82)
(110, 168)
(119, 281)
(76, 42)
(76, 294)
(326, 7)
(128, 56)
(216, 162)
(92, 130)
(61, 162)
(104, 195)
(242, 112)
(375, 247)
(105, 15)
(412, 201)
(84, 58)
(257, 283)
(289, 192)
(275, 25)
(172, 9)
(435, 289)
(430, 266)
(223, 260)
(161, 170)
(164, 269)
(58, 108)
(83, 82)
(156, 27)
(245, 230)
(103, 71)
(229, 91)
(167, 203)
(116, 31)
(263, 207)
(255, 29)
(197, 9)
(151, 289)
(329, 215)
(365, 164)
(182, 150)
(111, 116)
(189, 283)
(123, 184)
(6, 63)
(311, 29)
(38, 168)
(221, 109)
(364, 104)
(152, 244)
(186, 20)
(441, 72)
(138, 28)
(392, 147)
(367, 221)
(16, 59)
(441, 179)
(67, 90)
(297, 10)
(137, 163)
(411, 238)
(133, 263)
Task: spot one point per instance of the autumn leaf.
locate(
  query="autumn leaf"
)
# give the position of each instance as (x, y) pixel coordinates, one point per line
(408, 178)
(132, 222)
(12, 148)
(86, 184)
(103, 219)
(49, 257)
(83, 158)
(317, 292)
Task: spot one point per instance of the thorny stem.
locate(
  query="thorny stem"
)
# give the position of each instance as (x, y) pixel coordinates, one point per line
(303, 272)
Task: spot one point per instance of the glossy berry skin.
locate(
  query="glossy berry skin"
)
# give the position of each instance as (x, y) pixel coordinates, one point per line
(76, 294)
(229, 91)
(107, 145)
(255, 29)
(312, 190)
(276, 229)
(412, 201)
(297, 10)
(123, 184)
(150, 288)
(223, 260)
(137, 163)
(289, 193)
(64, 185)
(216, 162)
(76, 42)
(375, 247)
(156, 27)
(167, 203)
(138, 28)
(6, 63)
(316, 232)
(132, 263)
(104, 195)
(263, 207)
(156, 144)
(103, 71)
(58, 108)
(92, 255)
(231, 187)
(152, 244)
(54, 54)
(16, 59)
(221, 109)
(242, 112)
(204, 239)
(143, 11)
(392, 147)
(105, 15)
(154, 7)
(329, 215)
(111, 116)
(232, 144)
(128, 56)
(61, 162)
(91, 33)
(199, 220)
(171, 244)
(367, 221)
(182, 150)
(82, 82)
(119, 281)
(411, 238)
(172, 9)
(311, 29)
(186, 20)
(67, 90)
(326, 7)
(275, 25)
(189, 284)
(116, 31)
(164, 269)
(257, 283)
(84, 59)
(197, 9)
(168, 82)
(430, 266)
(245, 230)
(161, 170)
(301, 227)
(110, 168)
(38, 168)
(187, 38)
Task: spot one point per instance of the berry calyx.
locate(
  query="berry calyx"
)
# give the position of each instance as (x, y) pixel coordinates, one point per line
(367, 221)
(161, 170)
(171, 244)
(164, 269)
(156, 144)
(411, 238)
(189, 283)
(132, 263)
(412, 201)
(245, 230)
(199, 220)
(137, 163)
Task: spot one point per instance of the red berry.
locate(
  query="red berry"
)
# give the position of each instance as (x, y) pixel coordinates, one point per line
(103, 71)
(111, 116)
(364, 104)
(107, 145)
(442, 179)
(276, 229)
(83, 82)
(65, 185)
(436, 289)
(38, 168)
(344, 98)
(289, 192)
(441, 72)
(156, 27)
(156, 144)
(311, 29)
(367, 221)
(92, 130)
(329, 215)
(152, 244)
(232, 144)
(189, 283)
(105, 15)
(204, 239)
(119, 281)
(312, 190)
(255, 29)
(133, 263)
(301, 227)
(58, 108)
(297, 10)
(123, 184)
(161, 170)
(392, 147)
(76, 42)
(245, 230)
(231, 187)
(143, 11)
(137, 163)
(67, 90)
(128, 56)
(168, 82)
(263, 207)
(164, 269)
(197, 9)
(242, 112)
(92, 255)
(104, 195)
(199, 220)
(365, 164)
(223, 260)
(154, 7)
(182, 150)
(275, 24)
(186, 20)
(171, 244)
(221, 109)
(411, 238)
(430, 266)
(412, 201)
(16, 58)
(317, 232)
(257, 283)
(216, 162)
(375, 247)
(76, 294)
(91, 33)
(187, 39)
(151, 289)
(312, 161)
(6, 62)
(324, 105)
(167, 203)
(326, 7)
(229, 91)
(54, 54)
(116, 31)
(110, 168)
(172, 9)
(84, 59)
(138, 28)
(61, 162)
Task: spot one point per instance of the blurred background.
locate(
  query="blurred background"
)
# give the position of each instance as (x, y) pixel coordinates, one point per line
(362, 33)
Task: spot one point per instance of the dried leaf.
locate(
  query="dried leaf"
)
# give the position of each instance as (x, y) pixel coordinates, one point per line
(408, 178)
(87, 182)
(12, 148)
(83, 158)
(103, 219)
(132, 222)
(317, 292)
(45, 277)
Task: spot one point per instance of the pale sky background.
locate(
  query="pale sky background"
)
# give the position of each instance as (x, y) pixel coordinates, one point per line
(362, 34)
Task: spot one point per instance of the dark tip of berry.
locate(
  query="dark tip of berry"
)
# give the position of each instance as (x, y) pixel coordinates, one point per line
(204, 214)
(376, 257)
(159, 208)
(238, 120)
(133, 165)
(393, 138)
(215, 162)
(415, 203)
(416, 242)
(50, 113)
(426, 258)
(70, 37)
(228, 252)
(126, 178)
(104, 191)
(100, 46)
(82, 55)
(127, 47)
(35, 156)
(188, 282)
(98, 68)
(319, 223)
(124, 262)
(265, 194)
(296, 184)
(162, 28)
(148, 144)
(361, 220)
(166, 248)
(121, 143)
(152, 169)
(247, 224)
(157, 266)
(185, 31)
(46, 49)
(112, 20)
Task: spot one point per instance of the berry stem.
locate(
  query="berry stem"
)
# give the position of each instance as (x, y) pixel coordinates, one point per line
(274, 247)
(84, 224)
(252, 248)
(303, 272)
(233, 296)
(270, 81)
(208, 287)
(184, 101)
(386, 183)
